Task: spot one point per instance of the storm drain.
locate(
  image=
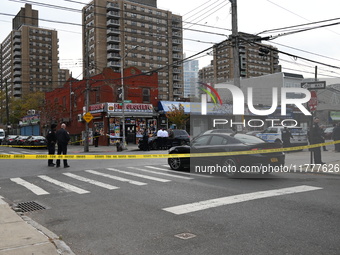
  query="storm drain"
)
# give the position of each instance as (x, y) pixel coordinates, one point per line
(29, 206)
(185, 236)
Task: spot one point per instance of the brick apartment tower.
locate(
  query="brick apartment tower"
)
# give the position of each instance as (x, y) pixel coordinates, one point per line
(29, 56)
(256, 59)
(138, 33)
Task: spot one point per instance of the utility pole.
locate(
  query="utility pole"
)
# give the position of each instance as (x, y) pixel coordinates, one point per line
(235, 42)
(87, 90)
(236, 56)
(123, 93)
(7, 107)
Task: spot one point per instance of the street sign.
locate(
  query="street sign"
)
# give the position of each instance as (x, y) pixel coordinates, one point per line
(313, 102)
(88, 117)
(314, 85)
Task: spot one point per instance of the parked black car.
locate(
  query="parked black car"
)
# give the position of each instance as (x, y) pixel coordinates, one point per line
(20, 140)
(9, 140)
(212, 143)
(38, 141)
(181, 137)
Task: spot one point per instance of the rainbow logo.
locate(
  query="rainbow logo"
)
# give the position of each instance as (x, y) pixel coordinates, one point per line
(216, 99)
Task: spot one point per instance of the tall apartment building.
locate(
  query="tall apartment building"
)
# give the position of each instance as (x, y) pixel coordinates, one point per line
(256, 59)
(135, 33)
(29, 55)
(190, 77)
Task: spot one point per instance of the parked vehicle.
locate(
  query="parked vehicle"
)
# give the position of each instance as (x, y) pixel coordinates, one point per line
(33, 141)
(181, 137)
(254, 133)
(2, 135)
(328, 133)
(20, 140)
(211, 143)
(274, 135)
(217, 131)
(9, 140)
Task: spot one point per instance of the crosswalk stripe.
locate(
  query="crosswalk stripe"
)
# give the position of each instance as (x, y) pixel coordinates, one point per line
(32, 187)
(211, 203)
(165, 174)
(116, 178)
(64, 185)
(190, 174)
(100, 184)
(139, 175)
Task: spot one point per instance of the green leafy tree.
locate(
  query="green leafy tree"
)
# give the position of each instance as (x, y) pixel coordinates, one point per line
(177, 116)
(19, 106)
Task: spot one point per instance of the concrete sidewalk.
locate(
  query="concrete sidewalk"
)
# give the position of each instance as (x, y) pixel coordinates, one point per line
(22, 236)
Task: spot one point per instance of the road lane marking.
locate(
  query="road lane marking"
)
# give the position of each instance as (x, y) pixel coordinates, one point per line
(139, 175)
(64, 185)
(165, 174)
(116, 178)
(30, 186)
(191, 174)
(97, 183)
(202, 205)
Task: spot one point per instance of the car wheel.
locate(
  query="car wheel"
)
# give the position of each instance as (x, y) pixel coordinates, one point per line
(175, 163)
(154, 146)
(231, 167)
(183, 143)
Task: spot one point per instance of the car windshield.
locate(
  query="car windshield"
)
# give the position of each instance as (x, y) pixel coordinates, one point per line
(297, 130)
(180, 132)
(248, 139)
(2, 133)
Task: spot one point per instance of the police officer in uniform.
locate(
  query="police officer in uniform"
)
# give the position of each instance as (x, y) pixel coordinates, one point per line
(286, 135)
(63, 138)
(51, 141)
(315, 137)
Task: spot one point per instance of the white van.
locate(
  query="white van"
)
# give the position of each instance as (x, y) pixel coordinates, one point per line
(274, 135)
(2, 135)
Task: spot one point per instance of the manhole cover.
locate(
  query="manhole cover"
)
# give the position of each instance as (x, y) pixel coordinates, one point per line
(30, 206)
(185, 236)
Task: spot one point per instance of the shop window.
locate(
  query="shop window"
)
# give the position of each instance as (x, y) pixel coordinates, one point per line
(146, 95)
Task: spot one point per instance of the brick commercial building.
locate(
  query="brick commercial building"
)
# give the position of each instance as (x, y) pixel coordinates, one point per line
(67, 104)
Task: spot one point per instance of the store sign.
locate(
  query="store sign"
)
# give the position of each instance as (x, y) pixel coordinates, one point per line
(96, 108)
(129, 107)
(30, 120)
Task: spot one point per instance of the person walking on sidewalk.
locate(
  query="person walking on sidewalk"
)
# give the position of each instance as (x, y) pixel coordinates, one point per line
(315, 137)
(51, 142)
(323, 137)
(63, 138)
(336, 137)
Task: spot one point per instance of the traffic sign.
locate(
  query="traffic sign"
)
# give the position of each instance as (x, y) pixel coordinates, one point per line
(314, 85)
(88, 117)
(313, 102)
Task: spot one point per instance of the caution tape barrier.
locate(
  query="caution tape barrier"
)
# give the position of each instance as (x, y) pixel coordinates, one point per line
(144, 156)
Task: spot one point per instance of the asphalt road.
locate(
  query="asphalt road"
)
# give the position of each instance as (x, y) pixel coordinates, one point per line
(290, 213)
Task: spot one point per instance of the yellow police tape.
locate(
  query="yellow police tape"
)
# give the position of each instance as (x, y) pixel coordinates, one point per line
(81, 157)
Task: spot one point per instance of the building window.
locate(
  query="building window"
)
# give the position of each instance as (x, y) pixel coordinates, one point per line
(146, 95)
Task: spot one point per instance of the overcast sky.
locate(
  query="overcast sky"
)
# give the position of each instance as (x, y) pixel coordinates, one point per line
(254, 16)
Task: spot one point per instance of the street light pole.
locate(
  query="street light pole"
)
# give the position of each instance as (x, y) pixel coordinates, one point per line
(123, 93)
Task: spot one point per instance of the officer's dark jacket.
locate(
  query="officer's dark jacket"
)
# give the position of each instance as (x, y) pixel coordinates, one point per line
(51, 137)
(62, 136)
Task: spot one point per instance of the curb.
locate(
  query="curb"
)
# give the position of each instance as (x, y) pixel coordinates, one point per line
(61, 246)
